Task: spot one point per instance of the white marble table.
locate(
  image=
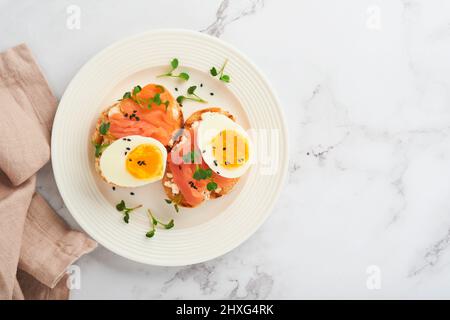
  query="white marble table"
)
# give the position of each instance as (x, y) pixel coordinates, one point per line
(365, 87)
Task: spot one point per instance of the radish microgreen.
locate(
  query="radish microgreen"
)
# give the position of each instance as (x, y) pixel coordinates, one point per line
(205, 174)
(154, 222)
(104, 127)
(222, 77)
(99, 148)
(121, 206)
(191, 96)
(174, 202)
(174, 64)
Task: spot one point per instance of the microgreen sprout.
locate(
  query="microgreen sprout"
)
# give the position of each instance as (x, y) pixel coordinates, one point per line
(104, 127)
(174, 202)
(136, 90)
(191, 96)
(146, 102)
(154, 222)
(99, 148)
(121, 206)
(205, 174)
(222, 77)
(127, 95)
(202, 174)
(174, 64)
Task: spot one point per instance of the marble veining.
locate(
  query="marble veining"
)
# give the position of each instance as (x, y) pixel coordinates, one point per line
(228, 13)
(365, 87)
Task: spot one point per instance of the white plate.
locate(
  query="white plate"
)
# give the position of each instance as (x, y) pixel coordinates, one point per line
(202, 233)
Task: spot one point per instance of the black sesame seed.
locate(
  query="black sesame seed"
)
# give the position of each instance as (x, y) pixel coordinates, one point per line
(114, 188)
(211, 93)
(128, 139)
(125, 115)
(215, 163)
(201, 84)
(124, 139)
(126, 153)
(128, 148)
(217, 172)
(176, 89)
(134, 111)
(224, 148)
(132, 193)
(203, 151)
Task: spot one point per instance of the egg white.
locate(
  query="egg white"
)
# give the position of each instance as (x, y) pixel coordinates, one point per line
(210, 126)
(113, 161)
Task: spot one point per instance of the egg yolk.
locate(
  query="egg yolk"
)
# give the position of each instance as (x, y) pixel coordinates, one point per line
(145, 162)
(230, 149)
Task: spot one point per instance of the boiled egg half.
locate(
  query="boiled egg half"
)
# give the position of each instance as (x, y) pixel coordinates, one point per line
(133, 161)
(225, 146)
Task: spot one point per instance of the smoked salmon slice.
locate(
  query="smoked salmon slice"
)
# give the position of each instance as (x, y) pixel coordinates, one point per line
(152, 112)
(194, 191)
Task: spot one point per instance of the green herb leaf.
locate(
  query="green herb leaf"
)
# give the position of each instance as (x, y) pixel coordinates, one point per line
(169, 225)
(202, 174)
(176, 207)
(184, 76)
(99, 148)
(180, 99)
(222, 77)
(166, 103)
(157, 99)
(191, 90)
(136, 90)
(127, 95)
(121, 206)
(104, 127)
(211, 186)
(225, 78)
(154, 222)
(198, 175)
(168, 201)
(174, 63)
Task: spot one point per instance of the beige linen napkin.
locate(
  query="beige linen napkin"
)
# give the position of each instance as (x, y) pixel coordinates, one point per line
(36, 246)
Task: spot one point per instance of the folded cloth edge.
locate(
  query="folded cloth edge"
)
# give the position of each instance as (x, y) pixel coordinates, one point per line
(58, 246)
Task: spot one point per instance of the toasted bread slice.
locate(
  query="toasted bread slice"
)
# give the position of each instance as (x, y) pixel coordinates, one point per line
(167, 180)
(98, 138)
